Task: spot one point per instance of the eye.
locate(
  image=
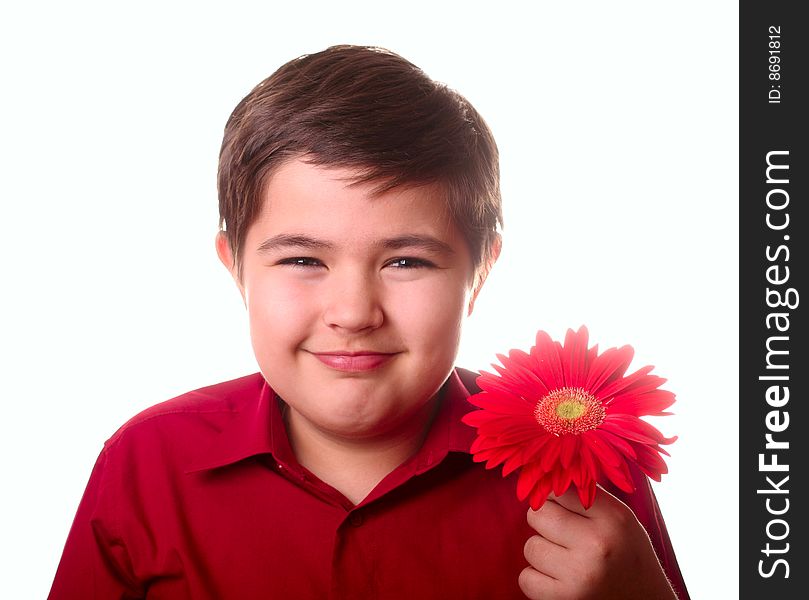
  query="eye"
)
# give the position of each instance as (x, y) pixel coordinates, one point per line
(301, 261)
(409, 262)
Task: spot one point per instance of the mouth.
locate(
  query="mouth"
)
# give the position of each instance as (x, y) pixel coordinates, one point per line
(354, 362)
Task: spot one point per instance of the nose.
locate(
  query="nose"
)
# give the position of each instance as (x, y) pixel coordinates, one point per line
(352, 302)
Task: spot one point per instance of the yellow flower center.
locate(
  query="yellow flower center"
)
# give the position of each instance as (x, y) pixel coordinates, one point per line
(569, 410)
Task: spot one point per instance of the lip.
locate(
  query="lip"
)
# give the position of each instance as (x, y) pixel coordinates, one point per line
(354, 362)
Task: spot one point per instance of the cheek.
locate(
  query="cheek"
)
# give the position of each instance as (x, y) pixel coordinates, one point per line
(279, 314)
(431, 317)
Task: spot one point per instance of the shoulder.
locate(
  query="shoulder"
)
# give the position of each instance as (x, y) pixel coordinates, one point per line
(209, 405)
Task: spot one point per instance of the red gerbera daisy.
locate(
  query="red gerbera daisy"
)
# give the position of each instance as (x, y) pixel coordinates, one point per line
(567, 415)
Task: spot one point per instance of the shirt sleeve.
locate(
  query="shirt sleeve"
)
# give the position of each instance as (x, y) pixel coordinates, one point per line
(95, 562)
(644, 504)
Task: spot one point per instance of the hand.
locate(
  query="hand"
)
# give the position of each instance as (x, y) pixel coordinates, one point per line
(602, 553)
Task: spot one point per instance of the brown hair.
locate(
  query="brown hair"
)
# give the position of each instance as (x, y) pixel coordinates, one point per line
(371, 110)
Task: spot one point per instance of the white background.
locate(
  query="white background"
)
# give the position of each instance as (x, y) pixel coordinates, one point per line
(617, 124)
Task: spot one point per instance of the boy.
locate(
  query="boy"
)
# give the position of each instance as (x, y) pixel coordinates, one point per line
(359, 204)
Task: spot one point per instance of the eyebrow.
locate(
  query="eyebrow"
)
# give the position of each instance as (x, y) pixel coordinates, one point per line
(284, 240)
(422, 242)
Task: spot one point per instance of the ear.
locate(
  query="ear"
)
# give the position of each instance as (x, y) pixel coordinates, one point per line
(226, 256)
(484, 271)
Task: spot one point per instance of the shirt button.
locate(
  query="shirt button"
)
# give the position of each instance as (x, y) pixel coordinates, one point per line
(356, 519)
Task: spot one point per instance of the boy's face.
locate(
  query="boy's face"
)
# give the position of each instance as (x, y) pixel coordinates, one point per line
(355, 301)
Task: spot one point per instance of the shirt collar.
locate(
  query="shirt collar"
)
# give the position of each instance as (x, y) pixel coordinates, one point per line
(258, 428)
(455, 405)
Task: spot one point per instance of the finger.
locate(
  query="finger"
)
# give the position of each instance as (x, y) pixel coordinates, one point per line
(546, 557)
(557, 524)
(605, 505)
(538, 586)
(570, 500)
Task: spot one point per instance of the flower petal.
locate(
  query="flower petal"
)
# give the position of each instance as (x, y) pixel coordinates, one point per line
(517, 374)
(601, 449)
(620, 476)
(640, 376)
(500, 455)
(619, 443)
(562, 479)
(483, 442)
(547, 364)
(569, 447)
(504, 404)
(605, 368)
(587, 493)
(574, 357)
(533, 450)
(649, 403)
(540, 492)
(550, 454)
(650, 462)
(514, 462)
(490, 382)
(632, 424)
(589, 468)
(529, 475)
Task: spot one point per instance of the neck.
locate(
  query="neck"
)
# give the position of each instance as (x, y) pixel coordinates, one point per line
(354, 466)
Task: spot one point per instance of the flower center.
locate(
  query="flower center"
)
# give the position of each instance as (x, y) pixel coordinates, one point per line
(569, 410)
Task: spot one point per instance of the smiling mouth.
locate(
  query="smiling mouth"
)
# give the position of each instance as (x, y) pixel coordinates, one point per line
(354, 362)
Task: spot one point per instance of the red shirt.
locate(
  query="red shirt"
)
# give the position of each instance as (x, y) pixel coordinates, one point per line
(201, 497)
